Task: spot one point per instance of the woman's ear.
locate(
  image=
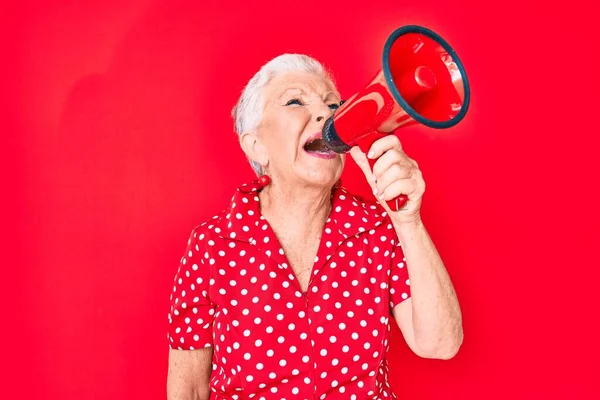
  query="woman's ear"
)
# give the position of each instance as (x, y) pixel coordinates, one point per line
(253, 147)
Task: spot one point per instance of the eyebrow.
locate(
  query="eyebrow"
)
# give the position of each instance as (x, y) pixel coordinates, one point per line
(328, 95)
(289, 90)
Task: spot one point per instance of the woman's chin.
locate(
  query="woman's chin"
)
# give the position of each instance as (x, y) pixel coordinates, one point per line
(325, 177)
(318, 169)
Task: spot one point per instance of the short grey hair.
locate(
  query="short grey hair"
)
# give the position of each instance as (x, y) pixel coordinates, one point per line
(247, 113)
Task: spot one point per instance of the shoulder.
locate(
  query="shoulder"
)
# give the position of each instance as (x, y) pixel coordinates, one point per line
(354, 202)
(357, 200)
(209, 227)
(233, 221)
(355, 214)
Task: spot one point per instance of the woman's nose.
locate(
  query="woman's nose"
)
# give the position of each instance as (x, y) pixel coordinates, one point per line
(324, 112)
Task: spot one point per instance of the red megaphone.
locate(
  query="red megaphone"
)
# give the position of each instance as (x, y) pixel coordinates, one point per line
(422, 81)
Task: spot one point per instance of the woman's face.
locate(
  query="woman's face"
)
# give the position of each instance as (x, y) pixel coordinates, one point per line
(296, 108)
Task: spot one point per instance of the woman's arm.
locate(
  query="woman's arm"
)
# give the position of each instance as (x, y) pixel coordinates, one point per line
(431, 319)
(189, 374)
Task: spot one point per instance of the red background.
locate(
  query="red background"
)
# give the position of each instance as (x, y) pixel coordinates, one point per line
(118, 141)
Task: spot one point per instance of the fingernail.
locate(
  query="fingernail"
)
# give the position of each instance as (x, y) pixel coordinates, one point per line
(381, 197)
(371, 154)
(375, 191)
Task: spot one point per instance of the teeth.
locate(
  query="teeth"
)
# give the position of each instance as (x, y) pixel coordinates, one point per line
(315, 145)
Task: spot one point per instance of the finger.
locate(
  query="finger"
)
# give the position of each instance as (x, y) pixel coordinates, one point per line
(414, 187)
(393, 173)
(402, 186)
(361, 160)
(384, 144)
(388, 159)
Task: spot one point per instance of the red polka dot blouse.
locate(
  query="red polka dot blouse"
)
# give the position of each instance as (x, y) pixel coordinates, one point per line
(235, 291)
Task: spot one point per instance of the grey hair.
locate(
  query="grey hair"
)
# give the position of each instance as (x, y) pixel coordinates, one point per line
(247, 113)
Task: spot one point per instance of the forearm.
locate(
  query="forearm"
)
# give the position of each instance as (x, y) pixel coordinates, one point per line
(436, 315)
(189, 374)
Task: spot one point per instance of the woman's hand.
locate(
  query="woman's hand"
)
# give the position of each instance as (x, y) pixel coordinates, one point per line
(393, 174)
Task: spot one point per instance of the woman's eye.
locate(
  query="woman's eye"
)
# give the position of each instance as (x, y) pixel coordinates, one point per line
(293, 101)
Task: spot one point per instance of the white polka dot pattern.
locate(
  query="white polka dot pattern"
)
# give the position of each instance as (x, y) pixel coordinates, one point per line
(234, 290)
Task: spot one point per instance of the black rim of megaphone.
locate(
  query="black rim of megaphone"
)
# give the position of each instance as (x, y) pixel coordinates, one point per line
(392, 85)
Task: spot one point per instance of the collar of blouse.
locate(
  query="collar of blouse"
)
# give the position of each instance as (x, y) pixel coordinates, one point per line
(242, 220)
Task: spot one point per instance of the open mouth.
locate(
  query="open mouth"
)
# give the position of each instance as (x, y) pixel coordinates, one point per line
(316, 147)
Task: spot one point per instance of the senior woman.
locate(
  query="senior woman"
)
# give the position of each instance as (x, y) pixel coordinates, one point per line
(288, 293)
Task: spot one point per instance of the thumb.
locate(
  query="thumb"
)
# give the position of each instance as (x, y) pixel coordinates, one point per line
(361, 160)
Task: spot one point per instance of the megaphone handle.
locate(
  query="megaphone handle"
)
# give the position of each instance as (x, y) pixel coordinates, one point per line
(365, 144)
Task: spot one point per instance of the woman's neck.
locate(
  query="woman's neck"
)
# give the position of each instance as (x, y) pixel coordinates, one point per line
(303, 210)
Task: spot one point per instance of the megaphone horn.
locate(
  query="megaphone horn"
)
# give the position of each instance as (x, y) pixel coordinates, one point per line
(422, 81)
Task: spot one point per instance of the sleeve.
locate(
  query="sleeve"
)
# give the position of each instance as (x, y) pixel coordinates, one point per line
(399, 279)
(192, 313)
